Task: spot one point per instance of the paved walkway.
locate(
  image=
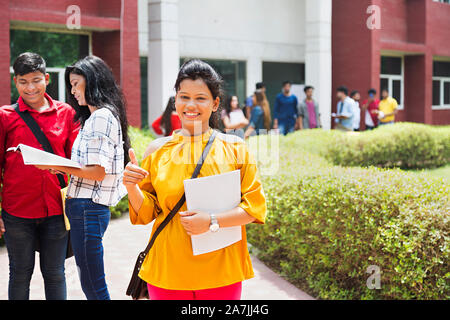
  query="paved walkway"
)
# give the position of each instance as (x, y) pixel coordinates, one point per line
(122, 243)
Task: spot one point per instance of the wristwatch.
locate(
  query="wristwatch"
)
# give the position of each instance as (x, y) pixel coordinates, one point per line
(214, 226)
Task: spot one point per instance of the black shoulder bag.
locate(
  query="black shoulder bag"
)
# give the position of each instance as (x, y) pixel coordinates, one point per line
(42, 139)
(137, 288)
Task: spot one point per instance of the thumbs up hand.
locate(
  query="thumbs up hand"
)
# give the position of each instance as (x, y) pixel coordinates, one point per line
(133, 174)
(133, 159)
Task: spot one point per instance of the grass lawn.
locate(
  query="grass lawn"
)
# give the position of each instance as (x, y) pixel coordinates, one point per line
(441, 172)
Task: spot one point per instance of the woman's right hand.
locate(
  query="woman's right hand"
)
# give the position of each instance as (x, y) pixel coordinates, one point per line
(133, 174)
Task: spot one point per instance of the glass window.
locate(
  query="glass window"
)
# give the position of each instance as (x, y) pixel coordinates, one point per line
(391, 77)
(391, 65)
(233, 73)
(144, 92)
(396, 91)
(384, 84)
(14, 93)
(436, 92)
(441, 84)
(53, 85)
(441, 69)
(447, 92)
(58, 49)
(274, 73)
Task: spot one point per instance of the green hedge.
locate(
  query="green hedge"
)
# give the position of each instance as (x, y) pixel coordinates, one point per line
(140, 139)
(326, 224)
(403, 145)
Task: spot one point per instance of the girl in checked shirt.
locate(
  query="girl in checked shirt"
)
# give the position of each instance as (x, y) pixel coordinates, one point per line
(101, 148)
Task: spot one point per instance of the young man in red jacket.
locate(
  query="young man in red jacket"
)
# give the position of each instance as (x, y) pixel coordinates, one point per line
(31, 199)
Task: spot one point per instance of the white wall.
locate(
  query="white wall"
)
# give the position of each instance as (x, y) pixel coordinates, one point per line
(265, 21)
(250, 30)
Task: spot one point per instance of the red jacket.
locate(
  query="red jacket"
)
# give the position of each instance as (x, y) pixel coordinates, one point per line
(29, 192)
(174, 119)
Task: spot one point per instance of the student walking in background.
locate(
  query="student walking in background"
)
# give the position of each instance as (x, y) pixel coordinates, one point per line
(101, 148)
(233, 118)
(168, 121)
(260, 119)
(387, 108)
(308, 111)
(170, 268)
(370, 109)
(260, 86)
(344, 116)
(285, 110)
(31, 199)
(356, 110)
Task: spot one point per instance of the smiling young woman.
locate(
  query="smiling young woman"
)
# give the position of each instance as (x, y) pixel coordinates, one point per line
(170, 268)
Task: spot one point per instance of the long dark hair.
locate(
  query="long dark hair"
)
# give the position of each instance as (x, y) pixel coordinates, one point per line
(261, 101)
(166, 118)
(197, 69)
(101, 91)
(227, 106)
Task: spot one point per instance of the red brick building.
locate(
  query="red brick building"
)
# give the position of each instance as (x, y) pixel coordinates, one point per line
(409, 54)
(108, 29)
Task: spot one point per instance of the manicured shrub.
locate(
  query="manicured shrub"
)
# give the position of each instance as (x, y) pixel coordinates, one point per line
(140, 140)
(327, 224)
(403, 145)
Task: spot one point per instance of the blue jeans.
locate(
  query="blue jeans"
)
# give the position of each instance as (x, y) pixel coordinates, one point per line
(20, 239)
(385, 123)
(286, 127)
(88, 223)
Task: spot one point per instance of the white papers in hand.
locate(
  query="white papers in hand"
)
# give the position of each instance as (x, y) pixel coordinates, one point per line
(33, 156)
(214, 194)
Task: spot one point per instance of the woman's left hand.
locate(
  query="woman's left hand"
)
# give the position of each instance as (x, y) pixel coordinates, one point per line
(195, 222)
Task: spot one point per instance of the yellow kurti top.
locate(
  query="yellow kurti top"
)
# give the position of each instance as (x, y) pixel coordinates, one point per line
(170, 263)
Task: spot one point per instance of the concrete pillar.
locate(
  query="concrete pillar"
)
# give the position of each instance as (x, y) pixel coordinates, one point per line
(318, 54)
(254, 74)
(163, 54)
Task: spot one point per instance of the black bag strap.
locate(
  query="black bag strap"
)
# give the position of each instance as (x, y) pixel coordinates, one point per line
(40, 136)
(181, 201)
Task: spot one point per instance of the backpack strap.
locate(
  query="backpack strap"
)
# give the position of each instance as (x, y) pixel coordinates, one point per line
(40, 136)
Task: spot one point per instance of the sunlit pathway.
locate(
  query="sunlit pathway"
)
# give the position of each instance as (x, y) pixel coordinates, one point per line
(123, 242)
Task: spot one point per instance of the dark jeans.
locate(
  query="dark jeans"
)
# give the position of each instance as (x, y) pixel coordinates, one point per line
(88, 223)
(286, 126)
(20, 238)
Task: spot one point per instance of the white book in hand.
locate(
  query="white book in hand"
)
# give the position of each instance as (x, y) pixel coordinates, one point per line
(214, 194)
(33, 156)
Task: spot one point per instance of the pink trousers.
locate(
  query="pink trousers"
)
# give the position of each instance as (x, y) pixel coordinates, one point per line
(231, 292)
